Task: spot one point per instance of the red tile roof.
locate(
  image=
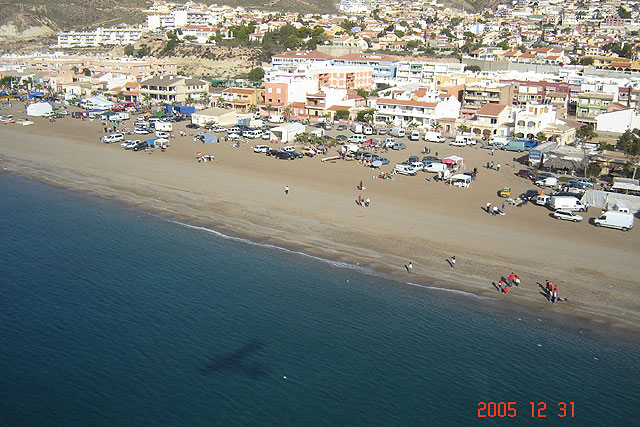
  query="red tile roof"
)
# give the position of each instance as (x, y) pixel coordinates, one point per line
(491, 110)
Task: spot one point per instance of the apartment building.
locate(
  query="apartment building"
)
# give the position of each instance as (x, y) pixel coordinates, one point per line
(100, 37)
(589, 105)
(384, 66)
(173, 88)
(300, 57)
(491, 119)
(476, 95)
(281, 92)
(403, 112)
(242, 98)
(532, 119)
(425, 72)
(343, 77)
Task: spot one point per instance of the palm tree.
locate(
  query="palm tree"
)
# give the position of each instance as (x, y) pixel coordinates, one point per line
(189, 100)
(269, 109)
(302, 137)
(287, 112)
(252, 108)
(540, 136)
(462, 129)
(205, 98)
(437, 127)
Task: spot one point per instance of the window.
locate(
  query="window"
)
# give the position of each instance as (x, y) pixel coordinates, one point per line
(277, 90)
(269, 90)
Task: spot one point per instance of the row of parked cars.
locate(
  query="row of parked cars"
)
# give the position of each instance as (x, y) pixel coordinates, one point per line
(414, 165)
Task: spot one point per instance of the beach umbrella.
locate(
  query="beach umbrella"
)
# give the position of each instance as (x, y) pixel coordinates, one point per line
(199, 154)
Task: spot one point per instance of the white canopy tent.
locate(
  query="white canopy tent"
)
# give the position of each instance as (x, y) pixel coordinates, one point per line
(287, 133)
(454, 160)
(606, 200)
(39, 109)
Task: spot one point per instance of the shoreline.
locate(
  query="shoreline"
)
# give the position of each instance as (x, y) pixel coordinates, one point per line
(595, 326)
(301, 229)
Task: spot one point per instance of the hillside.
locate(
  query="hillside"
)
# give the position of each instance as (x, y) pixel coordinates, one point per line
(31, 18)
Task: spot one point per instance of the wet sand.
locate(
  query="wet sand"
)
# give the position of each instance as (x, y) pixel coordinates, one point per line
(410, 219)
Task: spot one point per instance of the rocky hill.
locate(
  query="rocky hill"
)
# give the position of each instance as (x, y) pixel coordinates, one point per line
(26, 19)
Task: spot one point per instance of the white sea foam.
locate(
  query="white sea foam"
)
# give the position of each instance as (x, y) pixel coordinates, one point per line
(270, 246)
(454, 291)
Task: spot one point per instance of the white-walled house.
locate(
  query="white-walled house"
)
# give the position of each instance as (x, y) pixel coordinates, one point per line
(618, 121)
(533, 118)
(403, 112)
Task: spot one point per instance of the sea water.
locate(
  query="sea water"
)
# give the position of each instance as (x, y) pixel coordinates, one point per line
(114, 317)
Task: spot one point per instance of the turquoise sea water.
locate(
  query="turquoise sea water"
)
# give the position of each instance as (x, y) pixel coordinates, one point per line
(114, 317)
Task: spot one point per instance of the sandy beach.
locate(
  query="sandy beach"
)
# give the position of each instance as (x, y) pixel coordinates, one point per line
(410, 219)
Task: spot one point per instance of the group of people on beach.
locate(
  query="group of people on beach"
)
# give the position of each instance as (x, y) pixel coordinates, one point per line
(495, 210)
(552, 293)
(505, 284)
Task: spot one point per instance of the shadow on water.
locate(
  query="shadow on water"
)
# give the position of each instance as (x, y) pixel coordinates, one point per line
(234, 362)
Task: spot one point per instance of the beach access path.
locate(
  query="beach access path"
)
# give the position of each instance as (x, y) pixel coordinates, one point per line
(241, 193)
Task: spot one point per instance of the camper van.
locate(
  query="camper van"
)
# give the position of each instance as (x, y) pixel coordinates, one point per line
(566, 203)
(433, 137)
(356, 128)
(357, 139)
(397, 132)
(164, 126)
(615, 219)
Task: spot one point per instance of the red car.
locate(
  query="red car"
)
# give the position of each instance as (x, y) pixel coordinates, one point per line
(526, 173)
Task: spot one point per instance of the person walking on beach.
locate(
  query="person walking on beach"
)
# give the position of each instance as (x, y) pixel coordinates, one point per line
(498, 167)
(366, 202)
(409, 267)
(286, 189)
(488, 207)
(511, 279)
(453, 262)
(516, 280)
(554, 297)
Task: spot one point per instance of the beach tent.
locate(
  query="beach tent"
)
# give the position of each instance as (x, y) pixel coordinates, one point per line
(286, 133)
(39, 109)
(606, 199)
(460, 180)
(625, 184)
(454, 160)
(207, 138)
(97, 103)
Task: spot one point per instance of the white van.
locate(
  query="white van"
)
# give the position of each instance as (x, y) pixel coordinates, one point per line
(435, 167)
(405, 169)
(356, 128)
(164, 126)
(114, 137)
(289, 148)
(549, 181)
(499, 141)
(613, 219)
(569, 203)
(357, 139)
(414, 135)
(462, 140)
(397, 132)
(276, 119)
(433, 137)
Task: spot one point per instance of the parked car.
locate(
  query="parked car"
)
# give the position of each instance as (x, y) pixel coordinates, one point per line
(367, 130)
(341, 127)
(580, 181)
(114, 137)
(384, 160)
(398, 146)
(567, 215)
(285, 155)
(140, 146)
(328, 126)
(341, 138)
(260, 148)
(505, 192)
(266, 135)
(272, 152)
(405, 169)
(547, 181)
(430, 159)
(141, 131)
(161, 134)
(526, 173)
(193, 126)
(529, 195)
(383, 131)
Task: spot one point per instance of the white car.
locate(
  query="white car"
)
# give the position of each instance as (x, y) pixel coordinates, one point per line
(418, 166)
(567, 215)
(404, 169)
(127, 142)
(458, 143)
(260, 148)
(266, 135)
(161, 134)
(289, 148)
(141, 131)
(368, 130)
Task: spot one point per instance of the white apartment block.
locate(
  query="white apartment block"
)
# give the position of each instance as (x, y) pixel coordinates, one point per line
(403, 112)
(100, 37)
(172, 19)
(425, 72)
(533, 119)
